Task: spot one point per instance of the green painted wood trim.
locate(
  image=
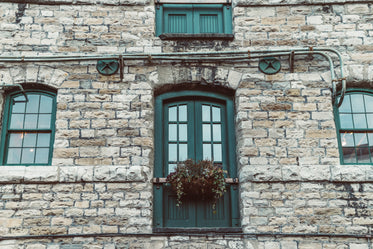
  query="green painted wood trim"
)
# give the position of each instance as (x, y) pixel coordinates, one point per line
(6, 123)
(349, 91)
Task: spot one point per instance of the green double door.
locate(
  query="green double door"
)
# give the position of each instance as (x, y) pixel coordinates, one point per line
(194, 129)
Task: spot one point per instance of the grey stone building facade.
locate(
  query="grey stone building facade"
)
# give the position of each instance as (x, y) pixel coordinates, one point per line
(82, 170)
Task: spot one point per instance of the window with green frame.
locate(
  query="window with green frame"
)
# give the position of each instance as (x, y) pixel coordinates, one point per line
(193, 19)
(196, 125)
(355, 127)
(28, 128)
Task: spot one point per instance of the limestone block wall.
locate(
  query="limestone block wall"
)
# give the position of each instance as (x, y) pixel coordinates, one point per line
(98, 192)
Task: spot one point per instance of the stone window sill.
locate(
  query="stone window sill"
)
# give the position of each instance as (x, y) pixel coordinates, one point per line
(228, 37)
(202, 230)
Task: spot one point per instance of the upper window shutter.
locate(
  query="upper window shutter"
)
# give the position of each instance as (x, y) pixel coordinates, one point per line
(178, 20)
(208, 20)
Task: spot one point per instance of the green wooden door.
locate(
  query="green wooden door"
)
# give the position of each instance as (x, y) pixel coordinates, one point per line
(192, 129)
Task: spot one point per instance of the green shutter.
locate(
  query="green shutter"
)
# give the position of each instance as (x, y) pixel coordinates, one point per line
(193, 19)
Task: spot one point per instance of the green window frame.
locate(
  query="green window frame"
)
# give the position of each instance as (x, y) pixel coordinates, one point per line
(193, 19)
(354, 119)
(28, 128)
(197, 125)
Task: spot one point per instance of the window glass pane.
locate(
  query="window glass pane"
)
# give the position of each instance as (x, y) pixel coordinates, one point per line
(363, 155)
(172, 112)
(206, 132)
(28, 155)
(14, 156)
(206, 113)
(216, 114)
(29, 140)
(346, 105)
(16, 121)
(370, 139)
(31, 121)
(357, 103)
(32, 105)
(346, 121)
(183, 113)
(42, 155)
(46, 104)
(18, 107)
(207, 152)
(347, 139)
(370, 120)
(368, 99)
(20, 98)
(216, 129)
(217, 153)
(361, 139)
(43, 140)
(183, 152)
(172, 132)
(172, 152)
(183, 132)
(359, 121)
(44, 121)
(349, 155)
(15, 140)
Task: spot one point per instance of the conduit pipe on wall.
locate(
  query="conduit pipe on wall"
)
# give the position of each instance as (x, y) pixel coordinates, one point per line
(217, 56)
(196, 234)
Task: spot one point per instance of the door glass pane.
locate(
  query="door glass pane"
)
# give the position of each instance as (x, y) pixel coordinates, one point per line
(16, 121)
(183, 152)
(172, 113)
(206, 132)
(359, 121)
(31, 121)
(15, 140)
(183, 132)
(14, 155)
(370, 139)
(206, 113)
(183, 113)
(216, 132)
(46, 104)
(216, 114)
(207, 152)
(28, 155)
(29, 140)
(171, 167)
(346, 121)
(357, 102)
(217, 153)
(172, 132)
(44, 121)
(172, 152)
(42, 155)
(32, 104)
(18, 107)
(43, 140)
(346, 105)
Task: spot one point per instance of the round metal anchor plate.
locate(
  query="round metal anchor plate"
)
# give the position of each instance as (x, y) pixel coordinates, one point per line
(269, 65)
(107, 67)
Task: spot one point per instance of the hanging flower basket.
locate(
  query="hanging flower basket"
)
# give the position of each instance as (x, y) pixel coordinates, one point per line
(201, 181)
